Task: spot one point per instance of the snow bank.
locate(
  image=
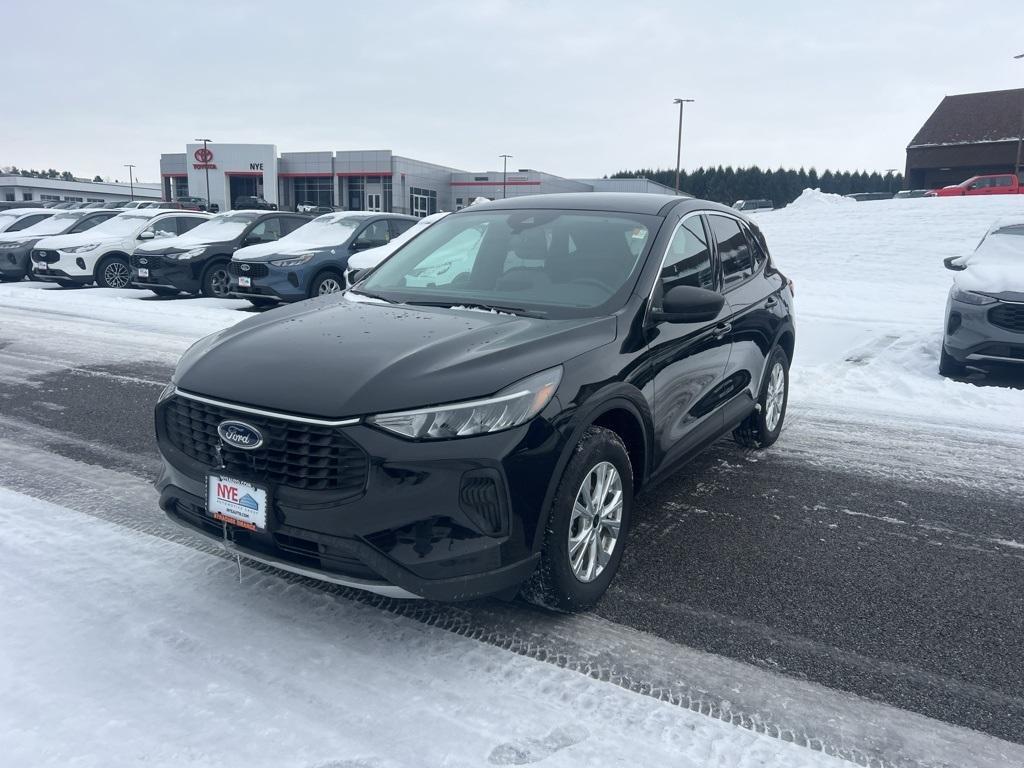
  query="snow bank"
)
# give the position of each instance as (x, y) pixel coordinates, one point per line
(813, 199)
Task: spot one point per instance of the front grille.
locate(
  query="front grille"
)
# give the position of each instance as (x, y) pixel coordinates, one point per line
(1008, 316)
(1012, 351)
(45, 257)
(147, 260)
(248, 269)
(294, 454)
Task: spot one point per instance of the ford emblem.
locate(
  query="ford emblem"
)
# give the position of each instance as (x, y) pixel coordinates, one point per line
(238, 434)
(143, 261)
(245, 267)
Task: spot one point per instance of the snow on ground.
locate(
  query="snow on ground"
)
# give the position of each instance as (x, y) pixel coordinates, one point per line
(870, 303)
(126, 649)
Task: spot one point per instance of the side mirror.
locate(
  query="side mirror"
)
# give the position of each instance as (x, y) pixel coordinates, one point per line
(147, 235)
(358, 275)
(687, 304)
(950, 263)
(365, 245)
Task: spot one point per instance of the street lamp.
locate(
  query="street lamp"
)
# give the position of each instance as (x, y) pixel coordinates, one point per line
(504, 175)
(209, 204)
(1020, 133)
(891, 173)
(679, 141)
(131, 183)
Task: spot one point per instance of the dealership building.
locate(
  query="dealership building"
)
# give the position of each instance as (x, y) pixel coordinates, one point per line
(968, 134)
(30, 189)
(355, 180)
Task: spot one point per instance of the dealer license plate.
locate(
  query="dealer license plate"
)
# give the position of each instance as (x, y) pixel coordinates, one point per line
(236, 502)
(245, 282)
(143, 272)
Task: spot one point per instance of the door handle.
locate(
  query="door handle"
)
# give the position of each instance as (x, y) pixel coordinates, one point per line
(722, 329)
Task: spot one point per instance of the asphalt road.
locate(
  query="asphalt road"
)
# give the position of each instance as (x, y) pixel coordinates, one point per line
(904, 586)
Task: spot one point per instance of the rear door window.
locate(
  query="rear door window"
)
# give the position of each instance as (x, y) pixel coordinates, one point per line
(375, 233)
(28, 221)
(760, 257)
(398, 226)
(733, 249)
(688, 260)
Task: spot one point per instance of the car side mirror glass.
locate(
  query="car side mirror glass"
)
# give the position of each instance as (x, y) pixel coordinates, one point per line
(147, 235)
(950, 263)
(688, 304)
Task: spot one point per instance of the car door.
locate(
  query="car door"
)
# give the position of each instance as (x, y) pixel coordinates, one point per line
(755, 314)
(688, 360)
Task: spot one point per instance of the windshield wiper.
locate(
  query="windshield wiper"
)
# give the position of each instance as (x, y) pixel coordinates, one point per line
(478, 305)
(369, 295)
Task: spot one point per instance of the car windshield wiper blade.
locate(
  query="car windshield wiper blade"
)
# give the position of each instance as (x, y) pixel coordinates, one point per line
(478, 305)
(369, 295)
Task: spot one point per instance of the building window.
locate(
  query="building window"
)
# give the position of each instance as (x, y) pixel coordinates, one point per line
(422, 202)
(387, 193)
(50, 198)
(355, 193)
(26, 195)
(315, 190)
(180, 187)
(9, 197)
(94, 200)
(73, 200)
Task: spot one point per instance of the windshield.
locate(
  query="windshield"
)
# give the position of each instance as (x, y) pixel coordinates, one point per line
(227, 226)
(331, 229)
(554, 263)
(52, 225)
(124, 224)
(6, 219)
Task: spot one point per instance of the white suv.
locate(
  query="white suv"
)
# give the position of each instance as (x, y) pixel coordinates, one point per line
(101, 254)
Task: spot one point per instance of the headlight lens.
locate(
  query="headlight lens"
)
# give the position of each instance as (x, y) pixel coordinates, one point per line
(509, 408)
(293, 261)
(970, 297)
(81, 248)
(187, 254)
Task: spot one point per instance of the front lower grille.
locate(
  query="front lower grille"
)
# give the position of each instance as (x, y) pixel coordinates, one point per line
(293, 454)
(248, 269)
(1008, 316)
(45, 257)
(147, 260)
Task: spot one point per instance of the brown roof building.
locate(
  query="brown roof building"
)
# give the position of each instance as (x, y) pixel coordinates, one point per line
(967, 135)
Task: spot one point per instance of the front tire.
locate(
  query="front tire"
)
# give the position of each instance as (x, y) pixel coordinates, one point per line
(326, 283)
(763, 427)
(113, 272)
(216, 281)
(587, 525)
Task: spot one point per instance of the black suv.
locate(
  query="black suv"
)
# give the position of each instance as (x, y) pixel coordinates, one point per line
(252, 203)
(197, 261)
(476, 415)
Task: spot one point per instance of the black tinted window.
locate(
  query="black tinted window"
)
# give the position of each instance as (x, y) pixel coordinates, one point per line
(398, 226)
(688, 261)
(733, 249)
(291, 223)
(760, 257)
(89, 222)
(28, 221)
(186, 223)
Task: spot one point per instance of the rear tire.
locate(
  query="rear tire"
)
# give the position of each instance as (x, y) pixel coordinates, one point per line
(326, 283)
(948, 365)
(216, 282)
(114, 272)
(763, 427)
(581, 552)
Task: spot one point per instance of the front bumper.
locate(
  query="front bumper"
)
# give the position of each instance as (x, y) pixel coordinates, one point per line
(176, 275)
(267, 282)
(410, 525)
(15, 263)
(971, 338)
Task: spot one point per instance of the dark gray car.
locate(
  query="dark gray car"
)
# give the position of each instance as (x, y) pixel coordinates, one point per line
(311, 260)
(16, 247)
(985, 309)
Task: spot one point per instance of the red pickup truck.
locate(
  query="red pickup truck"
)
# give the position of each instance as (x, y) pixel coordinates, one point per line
(996, 184)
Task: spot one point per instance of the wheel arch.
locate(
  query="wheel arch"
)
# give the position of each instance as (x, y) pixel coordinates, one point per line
(323, 269)
(106, 257)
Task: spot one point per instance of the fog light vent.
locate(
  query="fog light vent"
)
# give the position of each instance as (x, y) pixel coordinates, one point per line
(953, 325)
(483, 500)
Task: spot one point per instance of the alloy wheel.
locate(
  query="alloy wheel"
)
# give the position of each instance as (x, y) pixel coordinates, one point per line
(595, 522)
(776, 397)
(329, 285)
(116, 274)
(219, 282)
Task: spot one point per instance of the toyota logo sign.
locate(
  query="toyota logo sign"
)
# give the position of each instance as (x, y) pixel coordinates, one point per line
(203, 155)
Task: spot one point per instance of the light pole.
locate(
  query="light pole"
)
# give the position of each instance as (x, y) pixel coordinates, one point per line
(1020, 134)
(679, 140)
(504, 175)
(206, 154)
(131, 183)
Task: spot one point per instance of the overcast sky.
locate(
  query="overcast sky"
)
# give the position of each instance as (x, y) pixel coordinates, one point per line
(572, 88)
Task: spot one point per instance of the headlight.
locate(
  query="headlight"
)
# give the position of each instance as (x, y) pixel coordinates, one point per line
(81, 248)
(970, 297)
(187, 254)
(509, 408)
(293, 261)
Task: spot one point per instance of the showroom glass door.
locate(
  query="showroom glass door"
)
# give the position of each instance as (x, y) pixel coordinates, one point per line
(374, 202)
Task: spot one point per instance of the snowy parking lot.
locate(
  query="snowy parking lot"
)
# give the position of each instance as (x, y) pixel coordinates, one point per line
(853, 592)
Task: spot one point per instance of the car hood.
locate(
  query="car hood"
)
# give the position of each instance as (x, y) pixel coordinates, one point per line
(1000, 269)
(268, 251)
(179, 243)
(55, 242)
(335, 356)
